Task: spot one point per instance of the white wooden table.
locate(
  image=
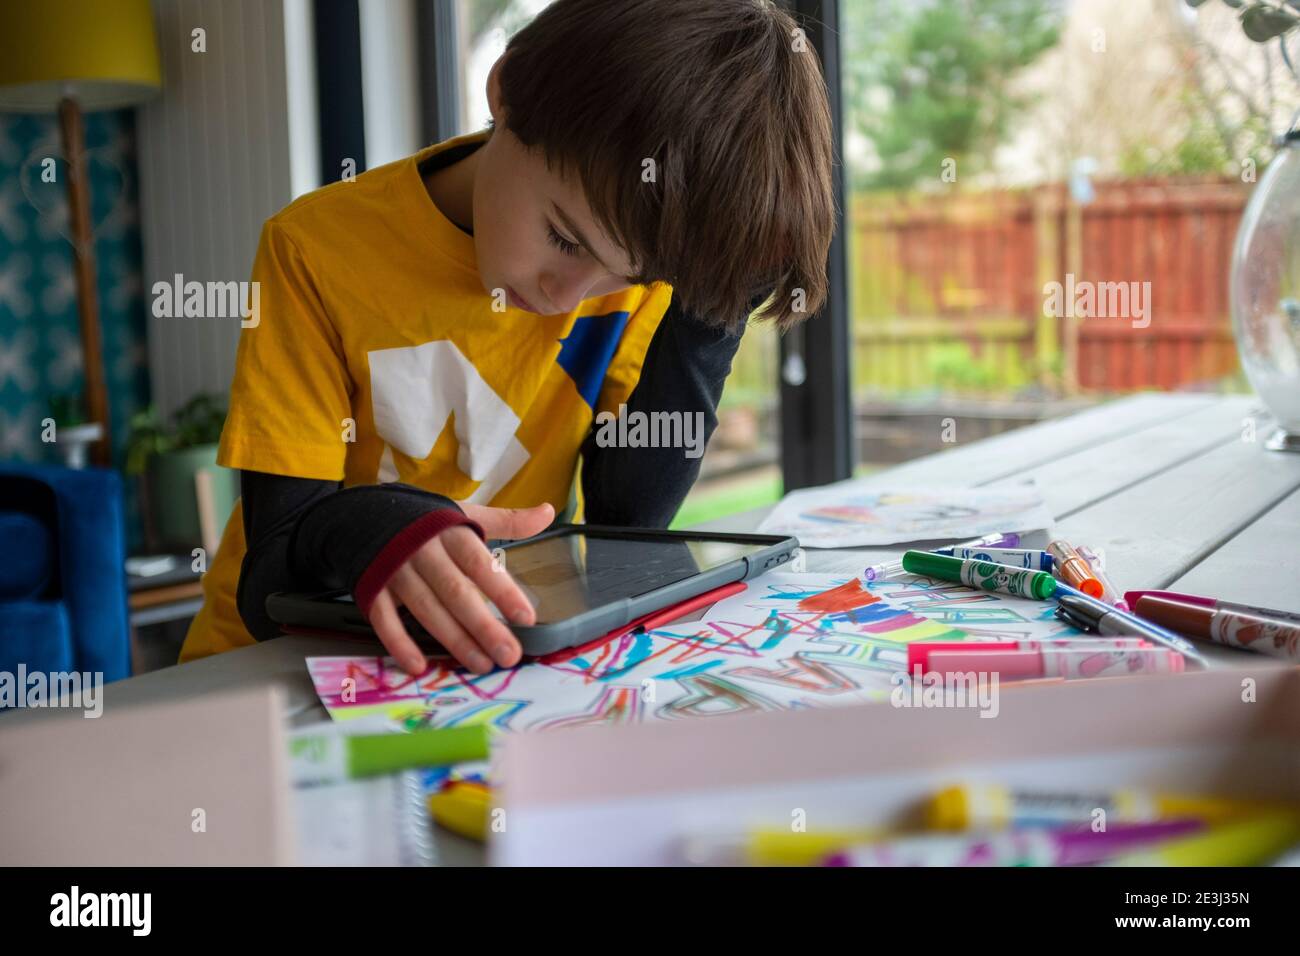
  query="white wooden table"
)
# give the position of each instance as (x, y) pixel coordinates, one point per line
(1164, 483)
(1170, 486)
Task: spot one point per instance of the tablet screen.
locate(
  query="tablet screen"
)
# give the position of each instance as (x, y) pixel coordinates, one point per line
(568, 574)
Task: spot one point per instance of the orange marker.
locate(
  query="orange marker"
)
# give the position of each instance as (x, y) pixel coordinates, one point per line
(1073, 569)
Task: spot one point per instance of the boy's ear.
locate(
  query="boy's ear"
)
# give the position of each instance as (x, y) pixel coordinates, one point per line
(495, 106)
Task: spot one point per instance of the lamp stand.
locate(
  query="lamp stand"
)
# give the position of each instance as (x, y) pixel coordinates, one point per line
(83, 257)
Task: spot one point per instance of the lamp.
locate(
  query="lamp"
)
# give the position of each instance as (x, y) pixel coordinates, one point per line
(67, 56)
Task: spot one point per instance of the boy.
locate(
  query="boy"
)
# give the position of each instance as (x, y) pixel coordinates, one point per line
(435, 338)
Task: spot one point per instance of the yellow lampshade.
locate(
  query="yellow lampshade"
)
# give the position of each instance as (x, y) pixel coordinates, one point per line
(102, 53)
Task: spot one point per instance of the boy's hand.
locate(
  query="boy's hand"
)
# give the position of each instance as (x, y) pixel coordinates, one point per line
(440, 586)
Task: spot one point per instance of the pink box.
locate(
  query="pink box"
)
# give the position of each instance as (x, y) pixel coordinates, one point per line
(630, 794)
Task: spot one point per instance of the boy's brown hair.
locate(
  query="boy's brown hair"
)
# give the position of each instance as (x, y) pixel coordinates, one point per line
(727, 98)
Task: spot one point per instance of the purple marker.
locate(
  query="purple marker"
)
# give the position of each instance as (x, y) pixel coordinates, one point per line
(1008, 539)
(1029, 846)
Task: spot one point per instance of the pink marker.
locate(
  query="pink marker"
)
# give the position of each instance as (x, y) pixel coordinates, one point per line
(1132, 598)
(1067, 663)
(920, 651)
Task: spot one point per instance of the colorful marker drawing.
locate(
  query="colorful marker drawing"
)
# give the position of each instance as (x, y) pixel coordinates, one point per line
(858, 516)
(788, 641)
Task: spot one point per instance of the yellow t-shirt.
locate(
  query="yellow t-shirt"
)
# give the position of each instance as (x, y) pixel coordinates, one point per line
(377, 356)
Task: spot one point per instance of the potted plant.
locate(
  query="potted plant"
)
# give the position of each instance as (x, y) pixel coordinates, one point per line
(171, 460)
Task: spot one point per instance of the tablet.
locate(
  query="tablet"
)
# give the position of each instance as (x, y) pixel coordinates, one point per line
(583, 580)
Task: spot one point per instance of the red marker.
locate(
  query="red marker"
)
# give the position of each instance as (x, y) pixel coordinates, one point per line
(1134, 596)
(1233, 628)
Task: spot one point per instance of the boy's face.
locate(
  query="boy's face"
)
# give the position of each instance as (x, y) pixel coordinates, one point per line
(534, 232)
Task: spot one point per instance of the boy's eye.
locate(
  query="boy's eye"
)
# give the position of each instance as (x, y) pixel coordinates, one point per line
(564, 245)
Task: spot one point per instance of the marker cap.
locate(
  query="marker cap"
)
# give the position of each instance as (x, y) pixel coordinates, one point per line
(1184, 618)
(951, 808)
(1132, 597)
(931, 565)
(386, 753)
(1073, 569)
(1010, 664)
(1043, 584)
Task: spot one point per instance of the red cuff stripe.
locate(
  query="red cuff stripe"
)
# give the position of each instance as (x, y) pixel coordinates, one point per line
(404, 544)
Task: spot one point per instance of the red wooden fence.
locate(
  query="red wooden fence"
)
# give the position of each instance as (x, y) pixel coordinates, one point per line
(952, 285)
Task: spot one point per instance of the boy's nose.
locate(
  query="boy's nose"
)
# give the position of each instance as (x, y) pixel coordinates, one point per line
(565, 290)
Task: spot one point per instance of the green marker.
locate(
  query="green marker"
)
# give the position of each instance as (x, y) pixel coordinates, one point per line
(332, 756)
(1020, 582)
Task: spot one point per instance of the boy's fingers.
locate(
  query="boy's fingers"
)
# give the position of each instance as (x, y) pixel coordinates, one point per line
(475, 560)
(392, 634)
(417, 598)
(464, 602)
(510, 522)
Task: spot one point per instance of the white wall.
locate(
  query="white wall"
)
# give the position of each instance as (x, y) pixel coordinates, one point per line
(304, 114)
(219, 152)
(389, 80)
(233, 139)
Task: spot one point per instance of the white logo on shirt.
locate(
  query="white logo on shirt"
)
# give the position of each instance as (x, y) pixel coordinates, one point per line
(415, 390)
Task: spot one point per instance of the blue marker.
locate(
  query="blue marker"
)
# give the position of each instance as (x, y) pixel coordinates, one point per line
(1015, 557)
(1008, 539)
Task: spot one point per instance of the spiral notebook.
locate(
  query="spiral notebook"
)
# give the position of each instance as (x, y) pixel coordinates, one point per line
(377, 821)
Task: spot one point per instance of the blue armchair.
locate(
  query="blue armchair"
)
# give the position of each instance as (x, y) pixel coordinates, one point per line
(63, 604)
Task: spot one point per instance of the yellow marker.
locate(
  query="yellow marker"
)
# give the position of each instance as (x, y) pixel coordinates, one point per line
(772, 847)
(1240, 843)
(785, 848)
(993, 806)
(463, 808)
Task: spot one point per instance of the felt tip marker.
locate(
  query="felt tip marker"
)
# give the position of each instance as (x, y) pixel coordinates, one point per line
(1069, 664)
(1091, 617)
(1032, 846)
(1013, 557)
(1152, 632)
(1239, 843)
(1008, 539)
(771, 846)
(979, 805)
(330, 757)
(1020, 582)
(1133, 596)
(918, 652)
(1073, 570)
(1231, 628)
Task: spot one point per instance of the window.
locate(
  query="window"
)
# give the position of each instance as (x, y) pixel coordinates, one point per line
(1042, 200)
(482, 29)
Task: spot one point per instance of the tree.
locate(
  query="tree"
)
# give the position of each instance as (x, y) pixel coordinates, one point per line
(1242, 91)
(931, 80)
